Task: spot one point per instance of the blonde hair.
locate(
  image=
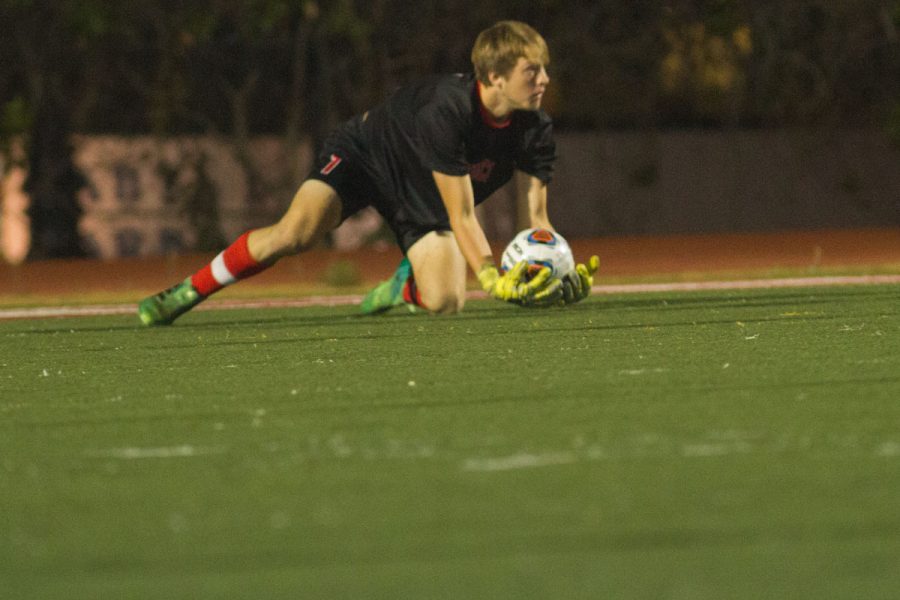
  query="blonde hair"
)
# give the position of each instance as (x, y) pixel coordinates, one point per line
(498, 48)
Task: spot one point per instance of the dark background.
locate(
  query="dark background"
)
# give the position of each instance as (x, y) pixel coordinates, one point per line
(294, 69)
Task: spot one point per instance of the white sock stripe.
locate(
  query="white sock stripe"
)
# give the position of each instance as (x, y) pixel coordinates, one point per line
(220, 272)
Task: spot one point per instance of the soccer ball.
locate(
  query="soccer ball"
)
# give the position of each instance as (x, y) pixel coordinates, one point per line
(541, 248)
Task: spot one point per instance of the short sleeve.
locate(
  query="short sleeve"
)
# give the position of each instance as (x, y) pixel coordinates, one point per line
(441, 127)
(538, 151)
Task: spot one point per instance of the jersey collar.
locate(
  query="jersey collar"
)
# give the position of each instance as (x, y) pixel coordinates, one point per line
(486, 115)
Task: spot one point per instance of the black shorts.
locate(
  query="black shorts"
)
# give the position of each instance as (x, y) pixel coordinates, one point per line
(357, 188)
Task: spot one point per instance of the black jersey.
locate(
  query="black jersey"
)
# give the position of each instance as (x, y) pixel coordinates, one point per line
(437, 124)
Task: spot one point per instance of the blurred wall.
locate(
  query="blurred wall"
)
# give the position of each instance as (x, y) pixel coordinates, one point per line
(149, 196)
(721, 181)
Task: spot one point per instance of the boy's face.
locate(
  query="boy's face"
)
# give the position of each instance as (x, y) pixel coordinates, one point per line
(523, 88)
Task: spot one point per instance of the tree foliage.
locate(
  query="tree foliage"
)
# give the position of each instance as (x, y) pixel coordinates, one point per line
(249, 66)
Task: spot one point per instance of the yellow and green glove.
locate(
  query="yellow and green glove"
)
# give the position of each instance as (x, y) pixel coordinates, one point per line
(541, 290)
(577, 285)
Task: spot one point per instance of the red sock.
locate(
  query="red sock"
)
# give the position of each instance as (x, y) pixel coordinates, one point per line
(411, 292)
(232, 264)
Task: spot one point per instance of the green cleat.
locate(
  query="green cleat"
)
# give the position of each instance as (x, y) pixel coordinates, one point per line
(166, 306)
(388, 294)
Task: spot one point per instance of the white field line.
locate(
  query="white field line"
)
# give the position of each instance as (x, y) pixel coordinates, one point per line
(42, 312)
(515, 462)
(135, 453)
(748, 284)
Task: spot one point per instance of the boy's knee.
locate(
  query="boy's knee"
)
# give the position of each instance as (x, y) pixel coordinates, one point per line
(446, 302)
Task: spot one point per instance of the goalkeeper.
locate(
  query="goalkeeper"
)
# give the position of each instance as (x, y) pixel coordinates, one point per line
(424, 159)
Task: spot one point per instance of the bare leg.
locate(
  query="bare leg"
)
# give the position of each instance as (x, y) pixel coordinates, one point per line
(440, 272)
(315, 211)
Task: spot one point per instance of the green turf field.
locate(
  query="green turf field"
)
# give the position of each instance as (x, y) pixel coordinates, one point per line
(687, 446)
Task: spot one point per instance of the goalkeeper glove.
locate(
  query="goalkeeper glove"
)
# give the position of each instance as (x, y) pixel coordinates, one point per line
(577, 285)
(541, 290)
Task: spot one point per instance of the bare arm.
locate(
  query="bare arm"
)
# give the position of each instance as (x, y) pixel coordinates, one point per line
(577, 284)
(535, 191)
(459, 200)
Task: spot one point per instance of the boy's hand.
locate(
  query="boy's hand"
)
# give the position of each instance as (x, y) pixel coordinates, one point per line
(541, 290)
(577, 285)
